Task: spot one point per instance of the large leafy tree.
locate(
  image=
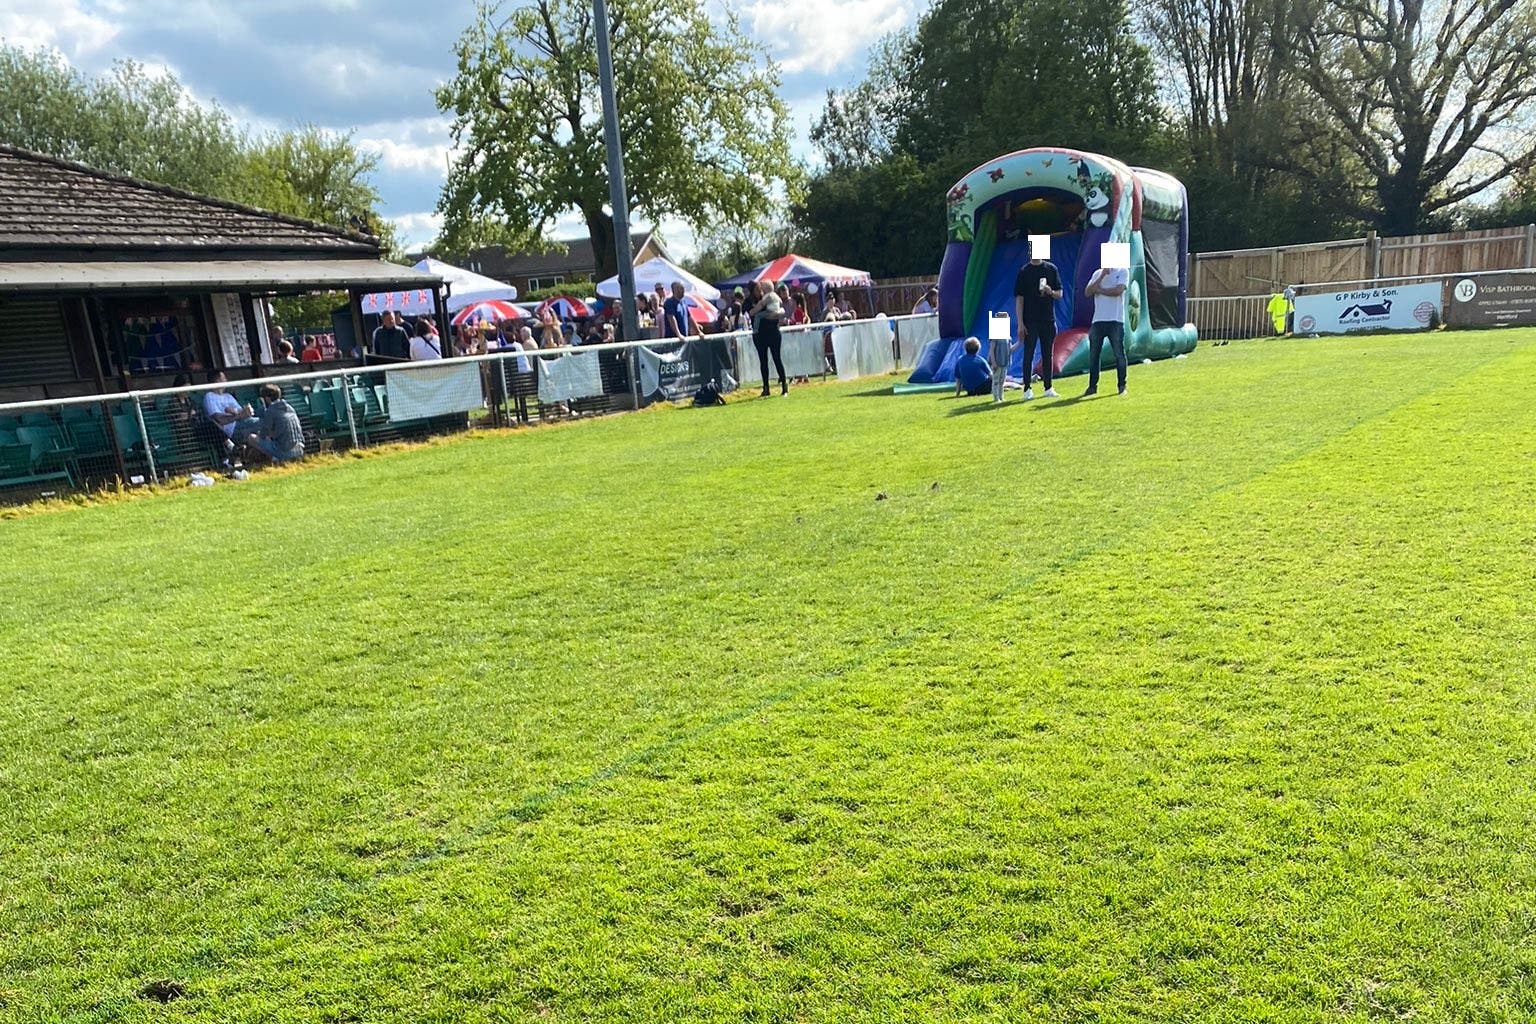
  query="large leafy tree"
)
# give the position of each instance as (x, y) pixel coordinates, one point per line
(1230, 70)
(706, 136)
(1433, 100)
(319, 175)
(148, 126)
(972, 80)
(126, 121)
(886, 217)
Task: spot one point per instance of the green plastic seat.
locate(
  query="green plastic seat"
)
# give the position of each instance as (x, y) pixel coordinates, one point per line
(51, 453)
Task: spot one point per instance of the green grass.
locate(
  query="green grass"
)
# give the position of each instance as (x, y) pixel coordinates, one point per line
(1212, 703)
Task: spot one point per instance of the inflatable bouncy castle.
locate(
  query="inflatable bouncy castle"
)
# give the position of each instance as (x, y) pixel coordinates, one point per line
(1081, 201)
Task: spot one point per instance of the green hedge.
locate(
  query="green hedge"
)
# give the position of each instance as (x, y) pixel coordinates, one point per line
(582, 289)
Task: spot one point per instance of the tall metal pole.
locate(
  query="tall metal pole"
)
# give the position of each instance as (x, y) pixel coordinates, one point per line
(618, 197)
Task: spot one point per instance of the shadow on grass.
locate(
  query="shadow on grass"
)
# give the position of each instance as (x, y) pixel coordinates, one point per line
(1061, 403)
(886, 392)
(981, 405)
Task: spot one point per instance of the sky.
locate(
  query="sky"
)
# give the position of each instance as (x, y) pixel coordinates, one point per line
(278, 63)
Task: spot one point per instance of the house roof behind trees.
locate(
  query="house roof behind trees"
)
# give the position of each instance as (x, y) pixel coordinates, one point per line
(73, 211)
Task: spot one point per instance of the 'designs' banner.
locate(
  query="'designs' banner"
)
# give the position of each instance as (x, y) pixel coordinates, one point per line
(1493, 300)
(675, 374)
(1408, 308)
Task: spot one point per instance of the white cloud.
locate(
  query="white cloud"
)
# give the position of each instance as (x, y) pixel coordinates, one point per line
(351, 74)
(415, 230)
(814, 35)
(61, 25)
(680, 239)
(397, 154)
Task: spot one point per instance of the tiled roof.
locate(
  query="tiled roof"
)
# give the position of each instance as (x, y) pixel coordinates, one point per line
(572, 255)
(52, 204)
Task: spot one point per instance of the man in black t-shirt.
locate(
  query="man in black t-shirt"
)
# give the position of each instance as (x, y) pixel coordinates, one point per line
(1036, 290)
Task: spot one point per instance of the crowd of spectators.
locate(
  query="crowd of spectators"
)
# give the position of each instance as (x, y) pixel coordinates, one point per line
(661, 314)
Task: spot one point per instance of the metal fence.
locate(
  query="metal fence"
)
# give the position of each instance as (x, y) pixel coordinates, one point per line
(1231, 318)
(56, 446)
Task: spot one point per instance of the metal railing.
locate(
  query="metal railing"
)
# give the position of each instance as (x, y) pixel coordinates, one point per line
(1230, 318)
(52, 446)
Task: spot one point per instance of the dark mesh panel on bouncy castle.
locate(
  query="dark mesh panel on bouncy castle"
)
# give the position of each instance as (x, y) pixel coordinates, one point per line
(1165, 265)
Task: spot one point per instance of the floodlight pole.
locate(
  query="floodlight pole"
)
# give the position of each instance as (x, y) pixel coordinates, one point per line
(618, 197)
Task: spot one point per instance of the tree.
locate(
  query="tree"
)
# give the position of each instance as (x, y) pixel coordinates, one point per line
(855, 127)
(148, 126)
(1230, 67)
(706, 136)
(125, 122)
(321, 176)
(727, 251)
(1517, 205)
(887, 217)
(1431, 98)
(1232, 62)
(969, 82)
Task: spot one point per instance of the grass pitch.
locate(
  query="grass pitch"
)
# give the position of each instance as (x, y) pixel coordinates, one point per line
(1216, 702)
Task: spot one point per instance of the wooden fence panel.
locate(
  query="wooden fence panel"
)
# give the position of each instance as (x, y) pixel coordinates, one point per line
(1455, 252)
(893, 296)
(1262, 271)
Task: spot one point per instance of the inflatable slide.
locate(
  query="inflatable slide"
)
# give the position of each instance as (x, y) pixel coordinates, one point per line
(1081, 200)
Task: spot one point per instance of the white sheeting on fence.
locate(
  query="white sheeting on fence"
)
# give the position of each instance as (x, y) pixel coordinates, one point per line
(569, 377)
(421, 391)
(913, 335)
(863, 349)
(801, 351)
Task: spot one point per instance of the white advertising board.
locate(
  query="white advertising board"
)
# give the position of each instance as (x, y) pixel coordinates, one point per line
(1407, 308)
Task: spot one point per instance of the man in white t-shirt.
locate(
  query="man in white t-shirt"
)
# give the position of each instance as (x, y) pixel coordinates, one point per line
(1107, 286)
(227, 411)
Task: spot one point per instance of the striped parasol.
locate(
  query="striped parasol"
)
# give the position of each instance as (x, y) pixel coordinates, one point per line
(487, 312)
(564, 307)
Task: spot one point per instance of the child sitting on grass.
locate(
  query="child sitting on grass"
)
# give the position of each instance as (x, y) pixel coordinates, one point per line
(972, 374)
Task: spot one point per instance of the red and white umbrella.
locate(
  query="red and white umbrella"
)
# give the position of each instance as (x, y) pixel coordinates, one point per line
(487, 312)
(565, 307)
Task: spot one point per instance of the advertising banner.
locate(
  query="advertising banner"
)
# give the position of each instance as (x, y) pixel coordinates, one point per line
(1410, 307)
(676, 374)
(1493, 300)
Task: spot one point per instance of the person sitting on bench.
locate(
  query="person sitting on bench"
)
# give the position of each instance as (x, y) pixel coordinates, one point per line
(280, 436)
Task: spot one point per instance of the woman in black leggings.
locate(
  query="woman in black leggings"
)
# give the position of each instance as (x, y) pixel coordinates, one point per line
(766, 313)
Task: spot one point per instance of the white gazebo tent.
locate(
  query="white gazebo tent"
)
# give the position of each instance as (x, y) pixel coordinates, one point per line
(465, 289)
(662, 271)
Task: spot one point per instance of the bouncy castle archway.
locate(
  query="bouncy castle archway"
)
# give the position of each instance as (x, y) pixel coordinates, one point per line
(1081, 200)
